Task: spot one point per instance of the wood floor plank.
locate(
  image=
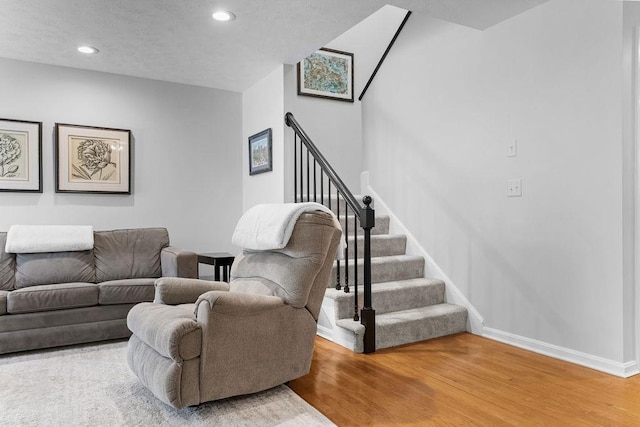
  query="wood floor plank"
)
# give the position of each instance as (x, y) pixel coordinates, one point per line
(463, 379)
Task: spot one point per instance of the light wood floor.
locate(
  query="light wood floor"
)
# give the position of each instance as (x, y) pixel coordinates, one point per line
(463, 380)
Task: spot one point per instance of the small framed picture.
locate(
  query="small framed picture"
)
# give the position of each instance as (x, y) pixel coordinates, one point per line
(20, 156)
(92, 159)
(327, 73)
(260, 152)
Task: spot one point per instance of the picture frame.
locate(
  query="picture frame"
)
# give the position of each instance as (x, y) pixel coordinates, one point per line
(260, 152)
(20, 156)
(327, 73)
(91, 159)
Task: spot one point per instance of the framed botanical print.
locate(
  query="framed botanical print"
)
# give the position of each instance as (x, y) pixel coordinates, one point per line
(92, 159)
(20, 156)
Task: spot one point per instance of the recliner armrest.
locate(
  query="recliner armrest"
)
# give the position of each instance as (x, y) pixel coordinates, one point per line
(177, 262)
(177, 290)
(238, 303)
(171, 331)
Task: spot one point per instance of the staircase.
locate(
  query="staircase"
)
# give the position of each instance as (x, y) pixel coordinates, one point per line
(409, 307)
(396, 303)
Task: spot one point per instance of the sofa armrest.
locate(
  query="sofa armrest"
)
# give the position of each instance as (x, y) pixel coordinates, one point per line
(178, 263)
(178, 290)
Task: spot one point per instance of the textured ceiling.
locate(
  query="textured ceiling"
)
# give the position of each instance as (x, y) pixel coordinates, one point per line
(178, 41)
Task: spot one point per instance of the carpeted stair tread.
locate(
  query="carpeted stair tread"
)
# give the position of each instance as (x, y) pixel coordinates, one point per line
(390, 296)
(383, 269)
(406, 326)
(381, 245)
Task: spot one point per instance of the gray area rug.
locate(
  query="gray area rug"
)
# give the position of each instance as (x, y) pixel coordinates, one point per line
(91, 385)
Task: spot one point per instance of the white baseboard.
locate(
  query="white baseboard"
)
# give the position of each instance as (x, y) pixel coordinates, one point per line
(475, 322)
(612, 367)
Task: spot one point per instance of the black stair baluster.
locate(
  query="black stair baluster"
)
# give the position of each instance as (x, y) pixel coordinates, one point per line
(338, 284)
(308, 180)
(321, 187)
(301, 173)
(295, 168)
(346, 249)
(356, 317)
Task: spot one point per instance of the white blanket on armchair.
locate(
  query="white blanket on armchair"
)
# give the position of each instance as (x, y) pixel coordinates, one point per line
(22, 239)
(269, 226)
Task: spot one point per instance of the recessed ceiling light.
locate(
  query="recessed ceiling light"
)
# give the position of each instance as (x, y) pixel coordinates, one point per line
(87, 49)
(223, 15)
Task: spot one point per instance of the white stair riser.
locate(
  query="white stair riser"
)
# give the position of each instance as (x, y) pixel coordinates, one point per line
(381, 226)
(384, 245)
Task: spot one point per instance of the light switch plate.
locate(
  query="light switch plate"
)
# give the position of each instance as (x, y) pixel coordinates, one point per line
(514, 187)
(512, 149)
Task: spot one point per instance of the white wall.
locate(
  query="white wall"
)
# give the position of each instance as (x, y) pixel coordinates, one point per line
(545, 267)
(631, 16)
(186, 152)
(336, 126)
(263, 108)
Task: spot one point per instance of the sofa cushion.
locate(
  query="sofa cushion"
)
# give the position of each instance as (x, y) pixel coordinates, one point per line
(129, 254)
(126, 291)
(52, 297)
(49, 268)
(3, 302)
(7, 266)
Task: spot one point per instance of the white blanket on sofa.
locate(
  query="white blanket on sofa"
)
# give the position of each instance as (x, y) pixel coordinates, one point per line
(48, 238)
(269, 226)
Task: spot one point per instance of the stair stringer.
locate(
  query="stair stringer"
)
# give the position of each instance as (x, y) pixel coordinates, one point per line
(475, 322)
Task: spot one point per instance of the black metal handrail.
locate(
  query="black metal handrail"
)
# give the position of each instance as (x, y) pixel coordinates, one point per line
(365, 215)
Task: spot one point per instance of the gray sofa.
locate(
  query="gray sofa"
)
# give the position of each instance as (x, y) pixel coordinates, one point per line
(59, 298)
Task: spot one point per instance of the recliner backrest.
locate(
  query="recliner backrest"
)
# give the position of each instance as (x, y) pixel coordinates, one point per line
(299, 272)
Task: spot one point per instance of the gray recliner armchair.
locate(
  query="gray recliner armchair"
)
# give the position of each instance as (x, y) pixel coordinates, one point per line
(201, 340)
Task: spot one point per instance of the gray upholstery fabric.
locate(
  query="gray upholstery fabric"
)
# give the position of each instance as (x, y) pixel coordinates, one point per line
(172, 290)
(125, 291)
(179, 263)
(174, 333)
(129, 254)
(176, 384)
(54, 300)
(271, 343)
(54, 267)
(288, 273)
(64, 318)
(255, 336)
(52, 297)
(3, 302)
(7, 266)
(62, 335)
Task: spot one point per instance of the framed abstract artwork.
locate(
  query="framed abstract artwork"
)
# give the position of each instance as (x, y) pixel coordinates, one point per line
(327, 73)
(92, 159)
(20, 156)
(260, 159)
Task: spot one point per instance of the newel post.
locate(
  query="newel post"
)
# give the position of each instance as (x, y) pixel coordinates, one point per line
(368, 314)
